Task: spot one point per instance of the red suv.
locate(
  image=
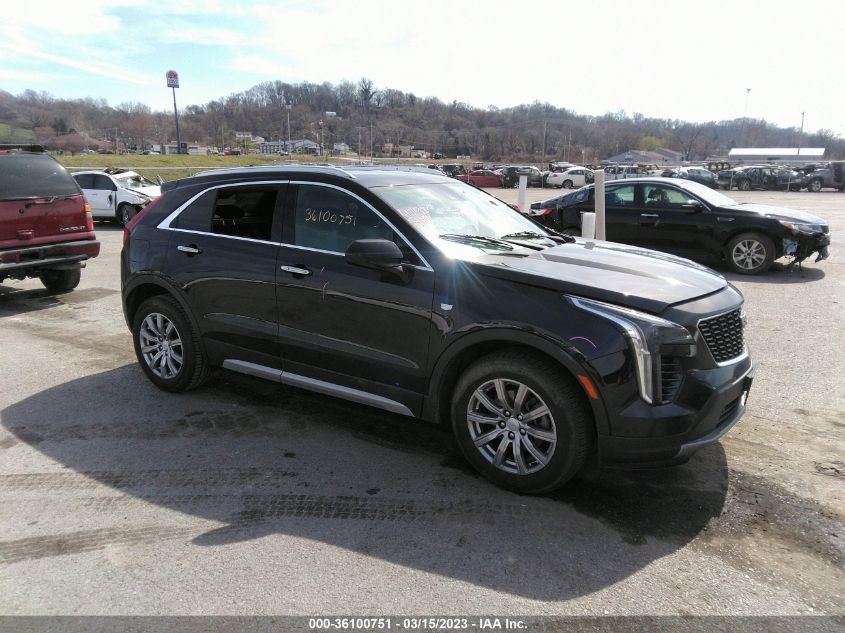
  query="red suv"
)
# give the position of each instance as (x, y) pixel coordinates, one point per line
(46, 227)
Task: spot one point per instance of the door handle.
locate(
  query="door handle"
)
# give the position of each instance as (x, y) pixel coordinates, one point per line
(190, 249)
(109, 200)
(296, 270)
(723, 219)
(649, 215)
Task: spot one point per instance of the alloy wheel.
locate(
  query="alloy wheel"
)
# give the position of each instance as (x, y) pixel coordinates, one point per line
(749, 254)
(511, 426)
(161, 346)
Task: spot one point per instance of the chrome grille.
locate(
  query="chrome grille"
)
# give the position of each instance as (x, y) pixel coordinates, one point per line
(723, 335)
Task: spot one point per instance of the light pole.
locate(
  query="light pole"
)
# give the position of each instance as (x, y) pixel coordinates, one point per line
(287, 107)
(173, 82)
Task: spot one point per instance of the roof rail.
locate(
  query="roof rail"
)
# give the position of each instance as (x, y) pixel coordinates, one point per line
(26, 147)
(281, 166)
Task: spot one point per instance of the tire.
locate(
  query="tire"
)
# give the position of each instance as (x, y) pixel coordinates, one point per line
(743, 185)
(815, 185)
(561, 436)
(567, 184)
(750, 253)
(125, 212)
(61, 280)
(160, 331)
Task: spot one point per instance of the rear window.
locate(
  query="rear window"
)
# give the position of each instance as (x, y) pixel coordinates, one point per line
(34, 176)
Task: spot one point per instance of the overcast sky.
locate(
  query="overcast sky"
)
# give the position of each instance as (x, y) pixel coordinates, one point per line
(686, 60)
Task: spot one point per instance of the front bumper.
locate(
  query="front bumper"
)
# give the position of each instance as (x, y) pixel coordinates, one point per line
(644, 435)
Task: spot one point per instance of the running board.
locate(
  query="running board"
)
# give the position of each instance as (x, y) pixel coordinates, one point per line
(318, 386)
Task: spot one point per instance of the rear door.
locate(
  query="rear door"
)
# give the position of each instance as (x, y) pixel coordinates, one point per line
(222, 253)
(622, 213)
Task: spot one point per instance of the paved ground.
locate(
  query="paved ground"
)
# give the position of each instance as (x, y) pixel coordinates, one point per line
(246, 497)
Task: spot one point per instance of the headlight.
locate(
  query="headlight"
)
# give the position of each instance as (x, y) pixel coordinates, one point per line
(646, 334)
(800, 227)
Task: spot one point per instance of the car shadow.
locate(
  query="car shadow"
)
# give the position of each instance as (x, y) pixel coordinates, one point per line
(15, 301)
(264, 459)
(779, 274)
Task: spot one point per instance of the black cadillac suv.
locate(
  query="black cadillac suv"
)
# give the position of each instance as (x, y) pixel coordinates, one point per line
(424, 296)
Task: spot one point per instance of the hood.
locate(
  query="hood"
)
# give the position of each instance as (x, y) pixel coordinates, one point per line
(782, 213)
(152, 191)
(606, 271)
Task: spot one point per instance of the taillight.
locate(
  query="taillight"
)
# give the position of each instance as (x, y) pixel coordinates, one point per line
(127, 230)
(89, 218)
(543, 211)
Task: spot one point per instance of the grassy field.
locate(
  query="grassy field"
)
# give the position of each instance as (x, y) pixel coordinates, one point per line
(169, 167)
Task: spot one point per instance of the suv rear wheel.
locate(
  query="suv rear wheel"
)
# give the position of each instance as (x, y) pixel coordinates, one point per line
(61, 280)
(521, 422)
(167, 346)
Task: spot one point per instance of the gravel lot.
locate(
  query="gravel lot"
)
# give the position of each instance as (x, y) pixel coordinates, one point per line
(246, 497)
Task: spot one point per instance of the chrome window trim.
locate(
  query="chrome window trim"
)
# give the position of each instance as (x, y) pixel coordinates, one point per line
(425, 266)
(339, 254)
(165, 223)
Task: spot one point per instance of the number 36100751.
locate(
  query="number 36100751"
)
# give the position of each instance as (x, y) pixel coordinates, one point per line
(329, 217)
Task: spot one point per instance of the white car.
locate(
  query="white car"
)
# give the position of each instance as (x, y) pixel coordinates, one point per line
(572, 177)
(116, 193)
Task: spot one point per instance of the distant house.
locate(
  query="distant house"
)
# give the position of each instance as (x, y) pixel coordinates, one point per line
(296, 146)
(776, 154)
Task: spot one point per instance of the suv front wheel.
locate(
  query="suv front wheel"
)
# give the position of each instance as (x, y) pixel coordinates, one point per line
(167, 346)
(750, 253)
(521, 422)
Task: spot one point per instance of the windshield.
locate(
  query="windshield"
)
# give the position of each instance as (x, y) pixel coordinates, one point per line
(452, 209)
(710, 196)
(133, 180)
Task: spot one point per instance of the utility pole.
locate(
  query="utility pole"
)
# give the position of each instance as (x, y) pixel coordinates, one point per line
(544, 140)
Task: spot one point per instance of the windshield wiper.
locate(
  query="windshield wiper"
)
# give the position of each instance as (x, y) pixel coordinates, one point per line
(477, 239)
(559, 238)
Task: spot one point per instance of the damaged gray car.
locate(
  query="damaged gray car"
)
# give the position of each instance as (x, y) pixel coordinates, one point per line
(686, 218)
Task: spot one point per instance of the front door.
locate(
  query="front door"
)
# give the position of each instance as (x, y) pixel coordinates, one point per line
(670, 224)
(346, 325)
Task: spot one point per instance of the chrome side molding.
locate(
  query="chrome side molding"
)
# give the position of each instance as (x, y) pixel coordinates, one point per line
(318, 386)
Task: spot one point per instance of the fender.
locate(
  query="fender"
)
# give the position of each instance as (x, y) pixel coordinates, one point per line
(169, 287)
(569, 357)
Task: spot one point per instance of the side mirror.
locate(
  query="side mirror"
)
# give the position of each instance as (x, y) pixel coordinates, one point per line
(693, 205)
(379, 254)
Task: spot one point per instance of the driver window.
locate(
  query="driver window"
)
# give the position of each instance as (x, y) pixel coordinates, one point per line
(330, 220)
(664, 197)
